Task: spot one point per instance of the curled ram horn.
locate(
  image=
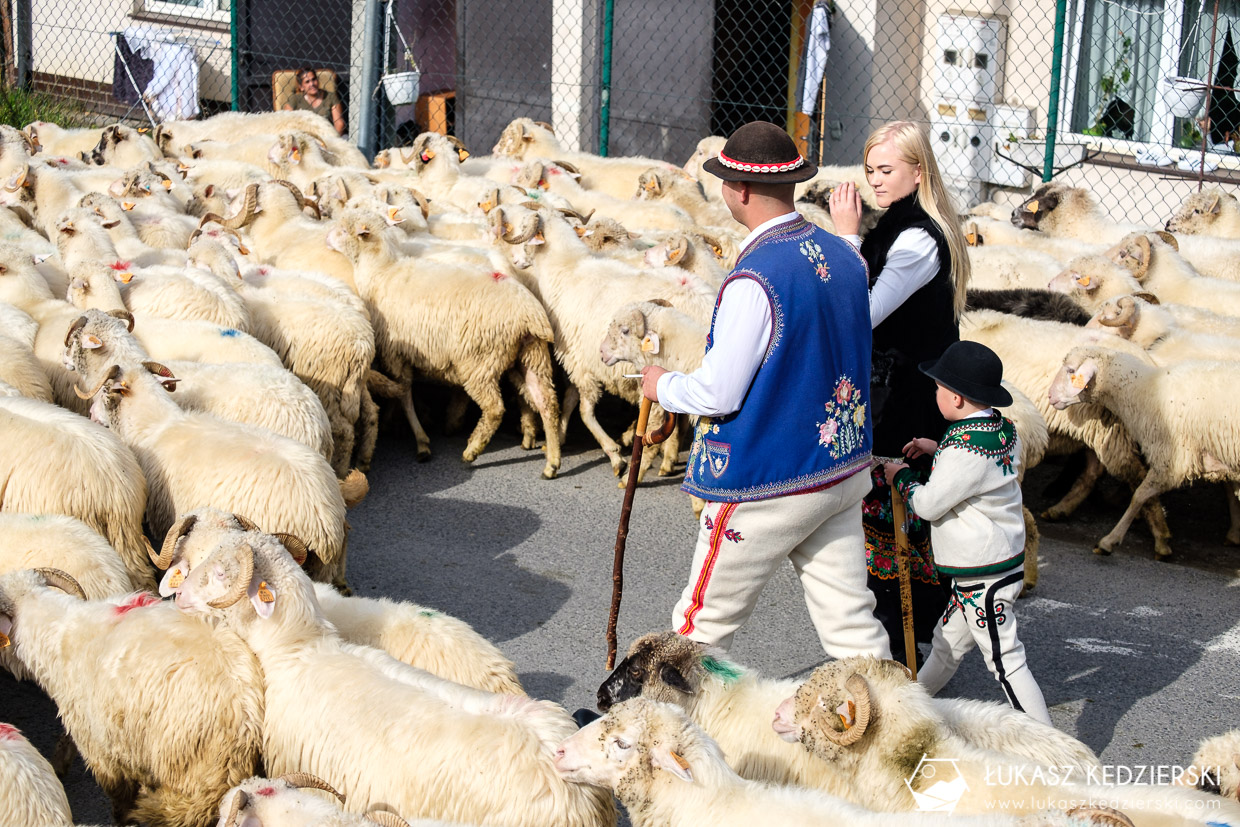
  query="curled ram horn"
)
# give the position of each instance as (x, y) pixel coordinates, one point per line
(245, 562)
(81, 394)
(246, 523)
(1101, 815)
(18, 180)
(239, 802)
(908, 673)
(860, 691)
(63, 581)
(423, 204)
(123, 315)
(305, 202)
(526, 235)
(78, 324)
(569, 168)
(386, 819)
(246, 211)
(461, 151)
(545, 126)
(407, 159)
(295, 545)
(303, 780)
(1127, 309)
(1171, 240)
(179, 529)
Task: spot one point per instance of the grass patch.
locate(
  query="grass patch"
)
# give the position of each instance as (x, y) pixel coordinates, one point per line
(19, 107)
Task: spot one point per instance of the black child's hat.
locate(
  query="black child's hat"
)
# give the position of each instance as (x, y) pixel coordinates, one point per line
(760, 152)
(971, 370)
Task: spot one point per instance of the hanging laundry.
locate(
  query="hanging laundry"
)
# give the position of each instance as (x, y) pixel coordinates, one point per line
(172, 93)
(814, 56)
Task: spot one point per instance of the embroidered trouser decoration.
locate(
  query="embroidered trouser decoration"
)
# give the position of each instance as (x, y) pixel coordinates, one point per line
(740, 545)
(981, 614)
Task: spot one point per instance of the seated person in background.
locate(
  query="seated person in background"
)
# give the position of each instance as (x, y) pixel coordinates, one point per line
(313, 99)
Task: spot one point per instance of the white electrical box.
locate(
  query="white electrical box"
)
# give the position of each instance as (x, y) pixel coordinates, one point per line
(1009, 122)
(968, 58)
(961, 135)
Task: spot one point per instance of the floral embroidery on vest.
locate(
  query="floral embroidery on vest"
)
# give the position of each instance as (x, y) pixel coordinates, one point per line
(812, 251)
(697, 452)
(844, 428)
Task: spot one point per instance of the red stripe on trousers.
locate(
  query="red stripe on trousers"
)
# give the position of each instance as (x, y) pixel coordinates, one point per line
(699, 590)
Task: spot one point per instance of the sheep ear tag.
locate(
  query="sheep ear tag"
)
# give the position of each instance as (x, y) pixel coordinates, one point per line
(1079, 381)
(1083, 280)
(674, 763)
(91, 342)
(123, 278)
(650, 344)
(262, 597)
(848, 713)
(172, 580)
(1033, 206)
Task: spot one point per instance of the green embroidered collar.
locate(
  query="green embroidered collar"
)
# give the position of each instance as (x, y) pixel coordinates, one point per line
(993, 436)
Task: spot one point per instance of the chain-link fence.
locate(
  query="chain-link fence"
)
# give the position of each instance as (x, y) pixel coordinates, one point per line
(642, 77)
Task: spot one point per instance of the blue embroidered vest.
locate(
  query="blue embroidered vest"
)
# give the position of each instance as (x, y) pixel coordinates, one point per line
(805, 421)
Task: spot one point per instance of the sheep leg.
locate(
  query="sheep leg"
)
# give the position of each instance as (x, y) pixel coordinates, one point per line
(1233, 507)
(538, 385)
(1081, 489)
(487, 395)
(64, 753)
(1156, 521)
(419, 433)
(571, 397)
(529, 425)
(124, 795)
(1032, 541)
(1149, 487)
(590, 395)
(367, 431)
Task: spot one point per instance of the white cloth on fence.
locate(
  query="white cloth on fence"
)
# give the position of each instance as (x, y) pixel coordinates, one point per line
(172, 93)
(814, 65)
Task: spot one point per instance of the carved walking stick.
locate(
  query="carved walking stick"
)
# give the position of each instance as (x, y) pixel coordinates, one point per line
(640, 440)
(903, 559)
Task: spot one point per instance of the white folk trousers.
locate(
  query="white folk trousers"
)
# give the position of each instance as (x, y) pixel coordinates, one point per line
(981, 613)
(740, 545)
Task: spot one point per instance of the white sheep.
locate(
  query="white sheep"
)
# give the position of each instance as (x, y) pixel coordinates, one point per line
(54, 139)
(535, 176)
(881, 730)
(455, 322)
(1154, 328)
(19, 368)
(1180, 415)
(56, 462)
(172, 135)
(1092, 280)
(124, 233)
(398, 737)
(681, 189)
(735, 705)
(1031, 370)
(65, 543)
(1159, 269)
(122, 146)
(1210, 212)
(31, 795)
(171, 722)
(668, 773)
(417, 635)
(250, 394)
(284, 802)
(1217, 765)
(321, 331)
(527, 139)
(194, 459)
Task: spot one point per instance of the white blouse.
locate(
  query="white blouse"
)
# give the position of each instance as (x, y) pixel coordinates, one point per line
(911, 264)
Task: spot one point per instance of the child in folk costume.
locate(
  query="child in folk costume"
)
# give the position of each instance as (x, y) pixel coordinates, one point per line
(973, 502)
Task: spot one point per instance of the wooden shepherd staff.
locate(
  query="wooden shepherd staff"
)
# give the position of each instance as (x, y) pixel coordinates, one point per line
(903, 559)
(640, 440)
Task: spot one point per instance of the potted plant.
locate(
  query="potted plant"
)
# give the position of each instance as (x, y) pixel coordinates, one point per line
(402, 87)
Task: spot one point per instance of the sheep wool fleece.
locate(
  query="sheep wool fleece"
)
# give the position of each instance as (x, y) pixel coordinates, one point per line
(784, 475)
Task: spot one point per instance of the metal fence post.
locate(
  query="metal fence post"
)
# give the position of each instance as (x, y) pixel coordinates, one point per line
(1052, 109)
(368, 117)
(23, 31)
(604, 110)
(234, 55)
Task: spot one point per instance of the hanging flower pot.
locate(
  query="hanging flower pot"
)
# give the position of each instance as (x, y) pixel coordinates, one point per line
(1184, 96)
(402, 87)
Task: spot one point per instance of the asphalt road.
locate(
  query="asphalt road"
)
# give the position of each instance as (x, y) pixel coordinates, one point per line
(1139, 659)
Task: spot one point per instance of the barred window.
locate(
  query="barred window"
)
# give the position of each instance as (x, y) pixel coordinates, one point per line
(206, 10)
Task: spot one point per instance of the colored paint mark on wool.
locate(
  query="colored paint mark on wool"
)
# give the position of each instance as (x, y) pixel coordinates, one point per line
(8, 732)
(138, 600)
(722, 669)
(498, 276)
(230, 333)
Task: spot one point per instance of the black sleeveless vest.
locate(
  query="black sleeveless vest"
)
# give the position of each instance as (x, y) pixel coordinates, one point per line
(919, 330)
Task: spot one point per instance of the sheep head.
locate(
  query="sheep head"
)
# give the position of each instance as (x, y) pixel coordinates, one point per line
(1075, 379)
(194, 536)
(359, 232)
(676, 251)
(664, 666)
(838, 711)
(1134, 253)
(630, 746)
(519, 134)
(630, 337)
(1199, 212)
(653, 183)
(531, 176)
(1090, 280)
(520, 229)
(1119, 317)
(262, 800)
(116, 384)
(1028, 215)
(287, 150)
(14, 585)
(93, 285)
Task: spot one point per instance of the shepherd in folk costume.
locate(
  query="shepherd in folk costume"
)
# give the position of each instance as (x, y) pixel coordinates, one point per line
(783, 446)
(973, 500)
(919, 272)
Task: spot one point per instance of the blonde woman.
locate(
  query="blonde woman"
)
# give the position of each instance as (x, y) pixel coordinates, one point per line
(919, 271)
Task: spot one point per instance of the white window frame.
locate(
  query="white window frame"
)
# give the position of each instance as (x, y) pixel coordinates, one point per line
(214, 11)
(1168, 65)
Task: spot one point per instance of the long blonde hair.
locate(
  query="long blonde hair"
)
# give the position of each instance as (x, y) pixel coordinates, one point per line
(914, 147)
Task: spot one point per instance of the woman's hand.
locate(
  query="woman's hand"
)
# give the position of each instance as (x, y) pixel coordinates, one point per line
(920, 446)
(890, 469)
(845, 208)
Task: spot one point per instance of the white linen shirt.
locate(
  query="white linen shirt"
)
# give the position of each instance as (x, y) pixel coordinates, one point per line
(742, 332)
(911, 263)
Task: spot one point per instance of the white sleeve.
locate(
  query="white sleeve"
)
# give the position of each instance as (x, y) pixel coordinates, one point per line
(742, 334)
(912, 262)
